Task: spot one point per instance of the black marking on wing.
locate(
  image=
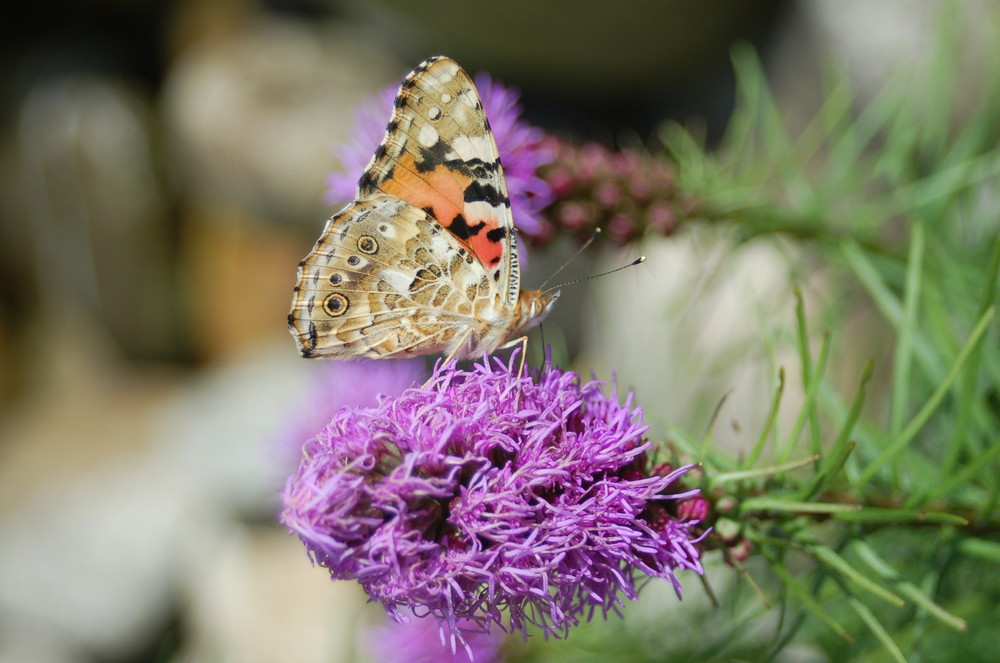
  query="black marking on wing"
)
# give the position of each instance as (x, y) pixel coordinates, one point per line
(367, 181)
(479, 192)
(313, 341)
(435, 155)
(461, 229)
(496, 234)
(484, 170)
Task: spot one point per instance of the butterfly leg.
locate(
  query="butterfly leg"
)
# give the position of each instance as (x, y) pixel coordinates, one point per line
(523, 342)
(524, 356)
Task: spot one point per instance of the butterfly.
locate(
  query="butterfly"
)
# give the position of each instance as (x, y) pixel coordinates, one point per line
(425, 259)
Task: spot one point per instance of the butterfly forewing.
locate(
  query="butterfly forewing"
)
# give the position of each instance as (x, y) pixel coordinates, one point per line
(439, 154)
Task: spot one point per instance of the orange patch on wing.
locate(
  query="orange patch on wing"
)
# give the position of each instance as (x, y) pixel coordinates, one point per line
(440, 189)
(443, 191)
(488, 251)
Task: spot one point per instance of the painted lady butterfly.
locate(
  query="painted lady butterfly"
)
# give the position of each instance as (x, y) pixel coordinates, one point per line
(425, 260)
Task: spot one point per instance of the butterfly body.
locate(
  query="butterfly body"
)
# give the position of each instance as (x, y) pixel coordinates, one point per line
(425, 260)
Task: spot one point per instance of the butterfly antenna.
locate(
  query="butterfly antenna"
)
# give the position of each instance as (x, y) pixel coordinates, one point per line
(593, 236)
(639, 260)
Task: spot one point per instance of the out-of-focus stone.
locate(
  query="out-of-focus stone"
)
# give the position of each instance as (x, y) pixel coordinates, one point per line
(253, 114)
(111, 482)
(696, 307)
(92, 226)
(256, 599)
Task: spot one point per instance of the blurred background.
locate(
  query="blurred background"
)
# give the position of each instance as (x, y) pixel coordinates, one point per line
(161, 174)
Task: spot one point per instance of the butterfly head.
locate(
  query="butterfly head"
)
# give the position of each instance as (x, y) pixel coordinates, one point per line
(532, 307)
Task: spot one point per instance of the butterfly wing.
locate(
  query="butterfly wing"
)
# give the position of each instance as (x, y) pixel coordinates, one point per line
(386, 279)
(439, 155)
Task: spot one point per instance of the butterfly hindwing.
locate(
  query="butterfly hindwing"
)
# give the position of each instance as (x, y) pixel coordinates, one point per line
(439, 155)
(385, 279)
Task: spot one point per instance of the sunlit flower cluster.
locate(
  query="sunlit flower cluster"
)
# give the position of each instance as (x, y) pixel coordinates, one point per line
(483, 496)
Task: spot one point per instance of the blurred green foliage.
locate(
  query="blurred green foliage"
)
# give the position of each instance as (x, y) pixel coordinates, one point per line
(874, 519)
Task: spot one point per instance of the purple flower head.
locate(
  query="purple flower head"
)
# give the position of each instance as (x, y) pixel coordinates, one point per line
(523, 150)
(337, 384)
(424, 641)
(501, 500)
(626, 192)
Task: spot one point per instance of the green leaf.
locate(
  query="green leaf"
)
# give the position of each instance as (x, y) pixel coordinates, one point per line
(807, 369)
(966, 398)
(878, 515)
(981, 548)
(866, 272)
(740, 475)
(912, 592)
(827, 556)
(875, 626)
(809, 405)
(708, 437)
(843, 446)
(904, 344)
(920, 419)
(752, 504)
(907, 589)
(962, 477)
(758, 448)
(804, 596)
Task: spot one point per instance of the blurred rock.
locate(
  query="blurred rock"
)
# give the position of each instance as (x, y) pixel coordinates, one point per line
(696, 307)
(92, 227)
(252, 115)
(87, 516)
(609, 50)
(596, 69)
(113, 483)
(886, 42)
(256, 599)
(239, 276)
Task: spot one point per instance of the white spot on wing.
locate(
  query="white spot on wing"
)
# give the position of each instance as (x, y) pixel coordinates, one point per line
(439, 245)
(388, 206)
(399, 281)
(474, 146)
(427, 136)
(446, 69)
(480, 209)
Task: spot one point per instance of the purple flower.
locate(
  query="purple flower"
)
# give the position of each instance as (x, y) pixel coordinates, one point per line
(486, 497)
(628, 193)
(523, 149)
(337, 384)
(424, 641)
